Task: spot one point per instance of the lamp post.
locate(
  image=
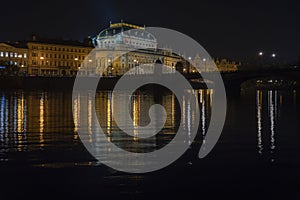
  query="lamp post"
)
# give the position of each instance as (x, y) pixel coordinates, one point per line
(136, 63)
(260, 59)
(274, 59)
(109, 67)
(204, 60)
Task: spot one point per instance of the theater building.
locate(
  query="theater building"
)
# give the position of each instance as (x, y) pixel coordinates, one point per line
(122, 46)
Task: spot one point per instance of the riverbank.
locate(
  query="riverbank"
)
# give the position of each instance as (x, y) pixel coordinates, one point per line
(65, 83)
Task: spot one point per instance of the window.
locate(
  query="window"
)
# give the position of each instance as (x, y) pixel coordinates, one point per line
(6, 54)
(16, 55)
(1, 54)
(11, 54)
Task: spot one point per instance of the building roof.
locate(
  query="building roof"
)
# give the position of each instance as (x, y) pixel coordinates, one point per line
(20, 44)
(59, 41)
(126, 29)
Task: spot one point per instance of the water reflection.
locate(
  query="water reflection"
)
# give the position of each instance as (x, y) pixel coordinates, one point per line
(33, 122)
(40, 121)
(267, 127)
(139, 104)
(38, 126)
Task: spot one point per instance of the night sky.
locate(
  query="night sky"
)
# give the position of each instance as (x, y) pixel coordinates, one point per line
(234, 29)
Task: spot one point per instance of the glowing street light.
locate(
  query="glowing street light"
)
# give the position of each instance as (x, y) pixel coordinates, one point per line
(204, 60)
(260, 53)
(273, 55)
(136, 68)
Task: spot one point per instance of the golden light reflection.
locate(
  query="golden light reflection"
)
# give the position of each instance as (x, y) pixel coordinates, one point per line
(183, 112)
(90, 118)
(272, 120)
(172, 110)
(42, 121)
(75, 114)
(259, 120)
(203, 117)
(20, 114)
(21, 122)
(135, 115)
(109, 116)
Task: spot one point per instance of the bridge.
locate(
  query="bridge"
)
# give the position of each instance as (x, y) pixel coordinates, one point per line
(234, 80)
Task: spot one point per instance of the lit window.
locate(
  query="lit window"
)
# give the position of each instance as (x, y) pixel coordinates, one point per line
(11, 54)
(16, 55)
(1, 54)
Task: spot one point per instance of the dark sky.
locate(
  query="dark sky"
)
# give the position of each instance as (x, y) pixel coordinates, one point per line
(236, 29)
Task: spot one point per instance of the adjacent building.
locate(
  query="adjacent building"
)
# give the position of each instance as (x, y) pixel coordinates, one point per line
(56, 57)
(207, 64)
(45, 57)
(14, 54)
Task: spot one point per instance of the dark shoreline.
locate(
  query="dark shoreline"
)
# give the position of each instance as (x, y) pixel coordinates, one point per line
(108, 83)
(63, 83)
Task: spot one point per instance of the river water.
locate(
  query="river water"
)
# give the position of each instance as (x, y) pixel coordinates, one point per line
(41, 153)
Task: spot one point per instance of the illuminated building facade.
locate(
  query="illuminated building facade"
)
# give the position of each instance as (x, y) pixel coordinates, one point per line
(49, 57)
(113, 43)
(206, 64)
(119, 48)
(14, 54)
(45, 57)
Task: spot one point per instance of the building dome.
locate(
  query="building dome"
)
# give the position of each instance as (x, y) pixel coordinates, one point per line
(126, 34)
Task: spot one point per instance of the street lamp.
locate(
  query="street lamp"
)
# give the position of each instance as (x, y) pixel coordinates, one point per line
(136, 63)
(273, 55)
(204, 60)
(109, 67)
(261, 53)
